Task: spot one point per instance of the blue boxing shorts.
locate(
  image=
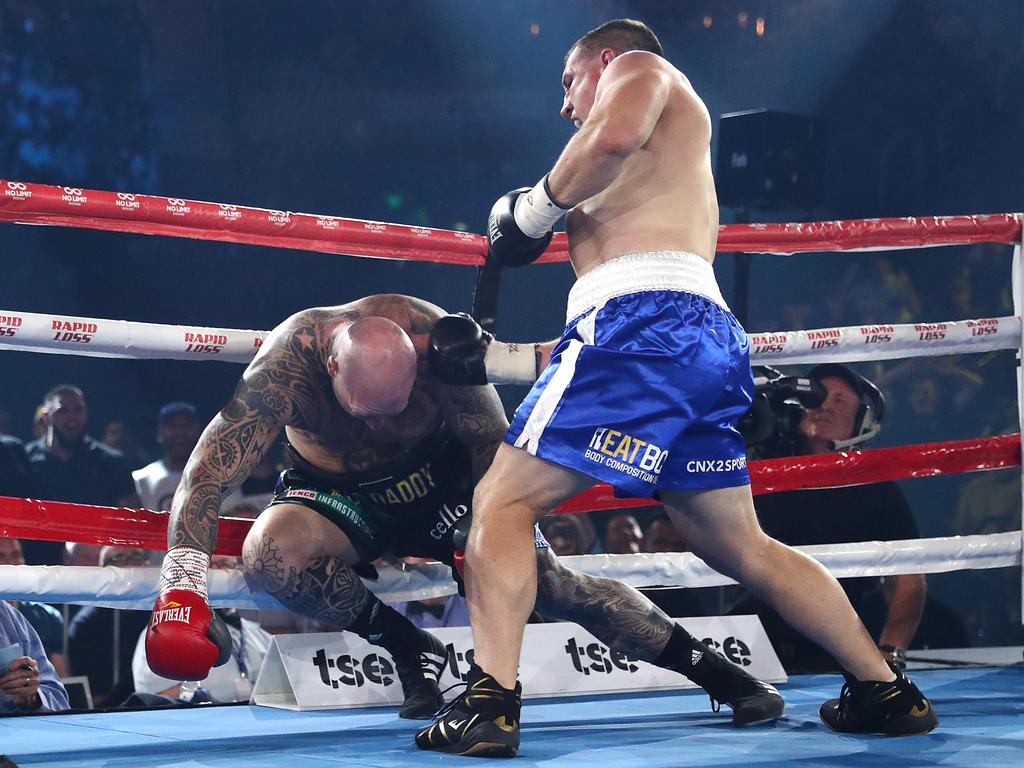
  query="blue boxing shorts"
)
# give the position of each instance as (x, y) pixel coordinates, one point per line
(648, 381)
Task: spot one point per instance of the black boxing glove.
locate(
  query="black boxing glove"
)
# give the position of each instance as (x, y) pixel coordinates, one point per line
(461, 352)
(519, 226)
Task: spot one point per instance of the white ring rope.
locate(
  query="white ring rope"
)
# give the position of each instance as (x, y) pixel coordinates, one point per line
(136, 588)
(856, 343)
(96, 337)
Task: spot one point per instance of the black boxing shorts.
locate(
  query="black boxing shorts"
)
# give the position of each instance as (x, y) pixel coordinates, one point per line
(408, 508)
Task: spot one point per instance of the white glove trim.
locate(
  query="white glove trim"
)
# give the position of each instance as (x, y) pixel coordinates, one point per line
(535, 212)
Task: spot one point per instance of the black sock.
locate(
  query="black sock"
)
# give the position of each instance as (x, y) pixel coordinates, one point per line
(685, 654)
(382, 625)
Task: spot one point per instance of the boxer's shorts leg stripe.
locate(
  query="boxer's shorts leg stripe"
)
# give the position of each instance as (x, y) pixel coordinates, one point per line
(548, 402)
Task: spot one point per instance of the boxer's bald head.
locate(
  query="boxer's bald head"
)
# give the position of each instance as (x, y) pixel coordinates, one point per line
(372, 368)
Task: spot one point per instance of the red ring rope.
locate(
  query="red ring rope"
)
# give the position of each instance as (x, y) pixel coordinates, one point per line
(25, 203)
(65, 521)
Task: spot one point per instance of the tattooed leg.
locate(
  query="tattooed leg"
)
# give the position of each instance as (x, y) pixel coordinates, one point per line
(614, 613)
(306, 562)
(325, 589)
(279, 557)
(300, 574)
(625, 620)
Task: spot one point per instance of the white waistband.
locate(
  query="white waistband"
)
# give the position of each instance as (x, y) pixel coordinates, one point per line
(649, 271)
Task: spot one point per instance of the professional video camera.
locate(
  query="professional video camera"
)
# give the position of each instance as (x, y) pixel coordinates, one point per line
(771, 428)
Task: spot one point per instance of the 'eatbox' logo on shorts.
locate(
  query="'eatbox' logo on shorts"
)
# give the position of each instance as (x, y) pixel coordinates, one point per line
(626, 453)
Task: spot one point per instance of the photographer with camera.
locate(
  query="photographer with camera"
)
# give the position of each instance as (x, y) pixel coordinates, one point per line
(832, 409)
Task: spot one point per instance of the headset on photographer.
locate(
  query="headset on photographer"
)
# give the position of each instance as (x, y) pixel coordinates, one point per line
(867, 422)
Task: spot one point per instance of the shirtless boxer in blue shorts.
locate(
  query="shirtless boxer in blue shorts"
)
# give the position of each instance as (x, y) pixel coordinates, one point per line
(643, 390)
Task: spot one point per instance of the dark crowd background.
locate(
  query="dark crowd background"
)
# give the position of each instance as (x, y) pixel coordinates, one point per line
(424, 112)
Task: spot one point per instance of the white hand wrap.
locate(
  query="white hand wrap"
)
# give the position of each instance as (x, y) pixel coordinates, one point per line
(511, 363)
(536, 213)
(184, 568)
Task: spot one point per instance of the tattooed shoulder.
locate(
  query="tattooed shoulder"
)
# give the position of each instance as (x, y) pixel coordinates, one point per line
(423, 315)
(416, 316)
(475, 413)
(286, 379)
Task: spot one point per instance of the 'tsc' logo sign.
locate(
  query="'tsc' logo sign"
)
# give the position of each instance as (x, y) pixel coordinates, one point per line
(352, 671)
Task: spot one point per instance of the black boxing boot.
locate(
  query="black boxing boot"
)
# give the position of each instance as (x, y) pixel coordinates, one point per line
(419, 656)
(483, 721)
(752, 701)
(419, 675)
(896, 708)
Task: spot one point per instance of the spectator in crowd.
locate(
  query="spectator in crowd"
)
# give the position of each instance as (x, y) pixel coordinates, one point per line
(101, 641)
(29, 683)
(849, 416)
(660, 535)
(230, 682)
(39, 422)
(15, 474)
(432, 612)
(938, 395)
(119, 436)
(177, 432)
(69, 465)
(76, 553)
(622, 535)
(565, 533)
(979, 287)
(45, 619)
(876, 290)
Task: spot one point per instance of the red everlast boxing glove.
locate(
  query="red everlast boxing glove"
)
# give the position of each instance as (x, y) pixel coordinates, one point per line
(185, 638)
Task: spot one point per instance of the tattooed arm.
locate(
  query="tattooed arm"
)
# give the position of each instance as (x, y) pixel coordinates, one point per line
(274, 391)
(477, 418)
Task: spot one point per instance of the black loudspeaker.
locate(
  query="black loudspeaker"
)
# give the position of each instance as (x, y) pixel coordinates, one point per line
(770, 159)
